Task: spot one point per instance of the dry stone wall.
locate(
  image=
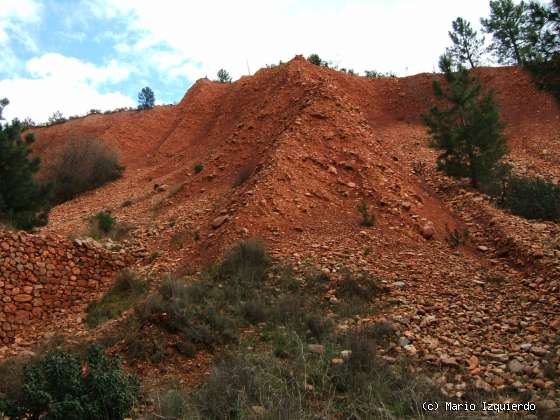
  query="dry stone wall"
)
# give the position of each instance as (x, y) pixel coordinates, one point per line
(45, 276)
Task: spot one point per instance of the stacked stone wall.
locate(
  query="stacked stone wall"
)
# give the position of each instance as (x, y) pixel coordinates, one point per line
(46, 276)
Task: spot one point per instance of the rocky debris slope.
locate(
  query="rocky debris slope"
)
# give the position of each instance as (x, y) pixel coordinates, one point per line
(44, 277)
(290, 152)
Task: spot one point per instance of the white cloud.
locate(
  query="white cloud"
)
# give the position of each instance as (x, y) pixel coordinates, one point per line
(405, 36)
(16, 12)
(39, 98)
(62, 83)
(57, 67)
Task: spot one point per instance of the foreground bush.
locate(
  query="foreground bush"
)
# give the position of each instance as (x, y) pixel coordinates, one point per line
(304, 386)
(60, 385)
(83, 165)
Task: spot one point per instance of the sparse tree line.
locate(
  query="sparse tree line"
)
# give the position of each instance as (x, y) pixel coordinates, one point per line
(524, 33)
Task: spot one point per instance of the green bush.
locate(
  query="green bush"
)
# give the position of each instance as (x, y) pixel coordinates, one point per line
(195, 314)
(198, 168)
(105, 221)
(309, 386)
(532, 198)
(245, 263)
(103, 224)
(128, 290)
(358, 285)
(547, 75)
(82, 165)
(61, 386)
(208, 312)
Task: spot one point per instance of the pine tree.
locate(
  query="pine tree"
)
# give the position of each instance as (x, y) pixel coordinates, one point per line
(146, 98)
(467, 45)
(543, 30)
(468, 128)
(508, 25)
(223, 76)
(23, 202)
(315, 59)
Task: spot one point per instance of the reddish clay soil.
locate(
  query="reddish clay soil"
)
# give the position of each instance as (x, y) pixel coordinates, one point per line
(290, 152)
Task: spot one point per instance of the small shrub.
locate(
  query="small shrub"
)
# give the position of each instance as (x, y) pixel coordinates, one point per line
(82, 165)
(419, 168)
(374, 74)
(198, 168)
(225, 392)
(455, 238)
(545, 75)
(145, 346)
(11, 379)
(368, 219)
(245, 263)
(128, 290)
(192, 311)
(290, 311)
(61, 385)
(179, 238)
(105, 222)
(319, 326)
(381, 330)
(361, 285)
(532, 198)
(153, 256)
(171, 404)
(254, 312)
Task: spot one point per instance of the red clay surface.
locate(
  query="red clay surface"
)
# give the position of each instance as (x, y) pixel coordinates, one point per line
(315, 142)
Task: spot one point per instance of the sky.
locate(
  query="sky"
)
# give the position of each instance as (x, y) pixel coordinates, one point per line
(76, 55)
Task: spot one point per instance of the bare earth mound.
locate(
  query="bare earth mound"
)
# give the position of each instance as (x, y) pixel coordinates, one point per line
(289, 153)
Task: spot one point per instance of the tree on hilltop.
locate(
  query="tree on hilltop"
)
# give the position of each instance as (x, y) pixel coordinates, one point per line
(146, 98)
(223, 76)
(56, 117)
(315, 59)
(467, 45)
(468, 128)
